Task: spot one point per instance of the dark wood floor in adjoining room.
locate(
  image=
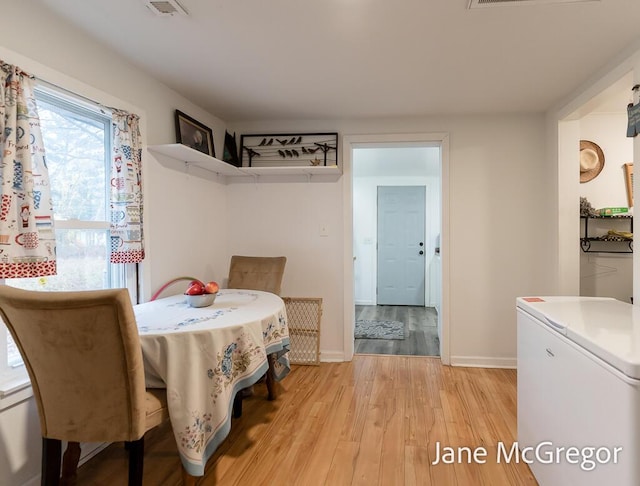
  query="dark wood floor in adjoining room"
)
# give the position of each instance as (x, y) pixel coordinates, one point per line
(373, 421)
(421, 330)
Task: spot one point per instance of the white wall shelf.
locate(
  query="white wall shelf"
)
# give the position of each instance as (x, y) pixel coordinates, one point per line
(191, 156)
(304, 170)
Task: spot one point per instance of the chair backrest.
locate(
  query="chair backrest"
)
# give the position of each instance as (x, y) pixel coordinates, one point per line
(256, 273)
(83, 355)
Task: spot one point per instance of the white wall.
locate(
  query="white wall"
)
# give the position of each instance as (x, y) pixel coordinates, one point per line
(498, 181)
(185, 215)
(284, 218)
(563, 134)
(20, 444)
(174, 201)
(607, 274)
(636, 189)
(564, 151)
(501, 214)
(501, 209)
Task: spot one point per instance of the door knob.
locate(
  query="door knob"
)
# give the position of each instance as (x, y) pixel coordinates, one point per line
(421, 252)
(421, 243)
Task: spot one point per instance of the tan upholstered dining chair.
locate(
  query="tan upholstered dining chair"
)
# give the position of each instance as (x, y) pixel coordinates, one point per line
(256, 273)
(83, 355)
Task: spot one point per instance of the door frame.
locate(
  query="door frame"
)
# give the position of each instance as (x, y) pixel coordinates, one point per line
(349, 142)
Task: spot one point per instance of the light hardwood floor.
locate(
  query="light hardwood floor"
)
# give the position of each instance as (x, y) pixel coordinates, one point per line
(373, 421)
(421, 331)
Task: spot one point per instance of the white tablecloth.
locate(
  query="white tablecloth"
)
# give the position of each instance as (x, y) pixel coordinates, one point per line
(203, 356)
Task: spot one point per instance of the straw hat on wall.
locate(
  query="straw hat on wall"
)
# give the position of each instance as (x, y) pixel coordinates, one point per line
(591, 160)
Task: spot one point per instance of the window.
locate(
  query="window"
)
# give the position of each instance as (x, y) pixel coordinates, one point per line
(77, 139)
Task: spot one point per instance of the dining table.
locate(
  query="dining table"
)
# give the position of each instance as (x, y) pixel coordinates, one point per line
(205, 356)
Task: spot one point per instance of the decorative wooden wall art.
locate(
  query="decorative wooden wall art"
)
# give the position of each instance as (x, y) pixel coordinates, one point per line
(289, 150)
(628, 179)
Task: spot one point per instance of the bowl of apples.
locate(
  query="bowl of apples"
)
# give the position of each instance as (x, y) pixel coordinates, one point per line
(199, 294)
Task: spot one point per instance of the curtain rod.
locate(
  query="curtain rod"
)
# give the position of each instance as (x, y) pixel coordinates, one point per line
(66, 91)
(19, 70)
(49, 84)
(72, 94)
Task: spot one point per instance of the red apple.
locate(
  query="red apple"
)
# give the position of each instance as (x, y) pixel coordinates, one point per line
(196, 288)
(211, 288)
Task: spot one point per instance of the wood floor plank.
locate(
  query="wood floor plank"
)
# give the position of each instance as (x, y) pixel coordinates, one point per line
(377, 420)
(416, 464)
(367, 466)
(440, 473)
(296, 449)
(494, 475)
(343, 463)
(392, 466)
(321, 456)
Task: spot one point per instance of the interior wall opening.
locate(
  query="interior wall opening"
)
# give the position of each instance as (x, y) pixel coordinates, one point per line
(396, 247)
(596, 133)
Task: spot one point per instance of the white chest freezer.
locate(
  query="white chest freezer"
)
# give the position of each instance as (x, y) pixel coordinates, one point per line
(579, 390)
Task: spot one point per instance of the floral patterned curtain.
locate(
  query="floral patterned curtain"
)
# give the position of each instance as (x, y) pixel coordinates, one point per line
(127, 244)
(27, 238)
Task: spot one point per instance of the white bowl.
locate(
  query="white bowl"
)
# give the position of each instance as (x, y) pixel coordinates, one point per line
(203, 300)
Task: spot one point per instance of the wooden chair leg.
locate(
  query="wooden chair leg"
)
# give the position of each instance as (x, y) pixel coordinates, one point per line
(271, 382)
(237, 405)
(136, 461)
(51, 450)
(70, 461)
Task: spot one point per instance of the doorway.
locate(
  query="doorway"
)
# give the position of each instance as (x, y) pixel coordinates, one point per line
(396, 232)
(604, 269)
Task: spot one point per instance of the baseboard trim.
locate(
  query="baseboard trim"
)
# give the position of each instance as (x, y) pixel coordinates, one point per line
(364, 302)
(484, 362)
(34, 481)
(331, 356)
(90, 450)
(462, 361)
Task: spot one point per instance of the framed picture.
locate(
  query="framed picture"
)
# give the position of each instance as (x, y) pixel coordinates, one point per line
(628, 179)
(192, 133)
(289, 149)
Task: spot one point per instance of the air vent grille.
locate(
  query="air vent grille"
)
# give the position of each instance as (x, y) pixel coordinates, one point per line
(165, 8)
(498, 3)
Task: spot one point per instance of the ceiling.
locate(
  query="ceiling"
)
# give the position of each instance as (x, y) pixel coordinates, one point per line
(337, 59)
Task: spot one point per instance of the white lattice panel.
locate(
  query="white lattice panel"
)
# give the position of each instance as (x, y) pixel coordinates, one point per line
(303, 316)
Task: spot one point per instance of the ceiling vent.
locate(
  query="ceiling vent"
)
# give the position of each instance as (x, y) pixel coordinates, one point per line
(165, 8)
(499, 3)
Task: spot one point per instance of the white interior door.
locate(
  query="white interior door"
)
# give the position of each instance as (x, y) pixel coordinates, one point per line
(401, 248)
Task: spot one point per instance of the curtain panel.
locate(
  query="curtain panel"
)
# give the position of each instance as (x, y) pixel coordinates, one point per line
(27, 237)
(127, 243)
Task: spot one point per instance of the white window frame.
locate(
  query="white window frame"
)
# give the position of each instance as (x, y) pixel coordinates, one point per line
(14, 381)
